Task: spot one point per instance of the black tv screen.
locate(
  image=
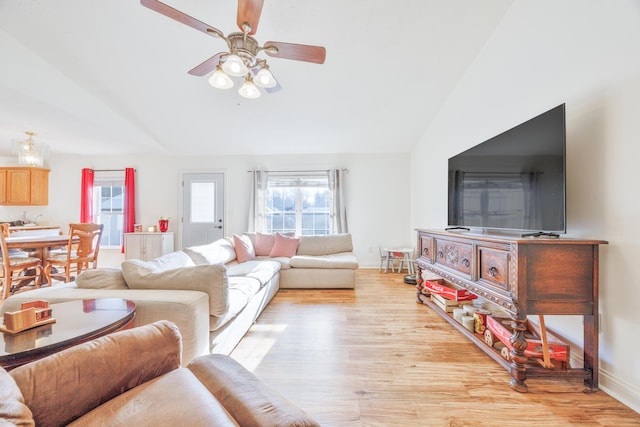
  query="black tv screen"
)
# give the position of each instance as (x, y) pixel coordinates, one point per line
(513, 181)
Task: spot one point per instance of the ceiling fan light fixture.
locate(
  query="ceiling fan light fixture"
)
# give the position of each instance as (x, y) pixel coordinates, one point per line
(241, 59)
(234, 66)
(220, 80)
(265, 78)
(249, 89)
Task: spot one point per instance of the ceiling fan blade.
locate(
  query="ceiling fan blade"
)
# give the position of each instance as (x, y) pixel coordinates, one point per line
(172, 13)
(299, 52)
(249, 12)
(207, 66)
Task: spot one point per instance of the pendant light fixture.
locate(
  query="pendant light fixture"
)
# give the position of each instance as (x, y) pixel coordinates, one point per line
(31, 153)
(220, 80)
(249, 89)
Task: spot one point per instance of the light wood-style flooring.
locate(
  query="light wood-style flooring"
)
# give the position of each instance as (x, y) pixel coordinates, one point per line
(374, 357)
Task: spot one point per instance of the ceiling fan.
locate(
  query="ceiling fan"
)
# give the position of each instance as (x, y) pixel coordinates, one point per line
(242, 59)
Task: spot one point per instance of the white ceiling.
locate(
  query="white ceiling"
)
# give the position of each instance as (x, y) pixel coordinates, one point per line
(110, 77)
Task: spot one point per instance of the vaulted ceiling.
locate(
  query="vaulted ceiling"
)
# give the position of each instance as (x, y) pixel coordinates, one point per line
(110, 77)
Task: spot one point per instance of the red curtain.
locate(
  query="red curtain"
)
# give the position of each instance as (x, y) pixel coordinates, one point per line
(86, 196)
(129, 209)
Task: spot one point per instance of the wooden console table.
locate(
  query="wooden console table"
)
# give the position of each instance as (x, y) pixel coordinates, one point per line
(523, 276)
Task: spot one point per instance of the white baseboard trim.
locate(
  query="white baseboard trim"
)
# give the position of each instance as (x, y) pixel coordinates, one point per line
(620, 390)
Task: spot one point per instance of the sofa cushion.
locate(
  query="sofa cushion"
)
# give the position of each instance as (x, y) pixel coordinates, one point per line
(211, 279)
(61, 387)
(284, 246)
(241, 290)
(341, 260)
(219, 252)
(282, 260)
(324, 245)
(249, 401)
(154, 404)
(262, 270)
(101, 278)
(244, 248)
(13, 411)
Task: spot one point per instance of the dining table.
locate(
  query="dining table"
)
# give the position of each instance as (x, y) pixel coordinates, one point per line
(41, 245)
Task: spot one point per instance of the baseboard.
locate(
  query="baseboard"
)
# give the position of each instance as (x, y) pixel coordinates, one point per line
(620, 390)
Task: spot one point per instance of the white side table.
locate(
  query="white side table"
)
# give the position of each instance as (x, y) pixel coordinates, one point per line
(406, 252)
(147, 246)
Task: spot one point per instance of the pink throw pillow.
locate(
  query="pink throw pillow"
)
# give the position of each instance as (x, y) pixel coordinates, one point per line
(264, 244)
(284, 246)
(244, 248)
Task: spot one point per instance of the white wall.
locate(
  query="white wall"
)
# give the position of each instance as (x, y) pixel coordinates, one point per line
(377, 188)
(544, 53)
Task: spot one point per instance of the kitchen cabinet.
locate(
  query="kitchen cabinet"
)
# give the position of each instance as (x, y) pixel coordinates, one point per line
(24, 186)
(147, 246)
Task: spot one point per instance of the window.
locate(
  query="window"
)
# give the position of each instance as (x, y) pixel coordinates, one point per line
(108, 208)
(297, 204)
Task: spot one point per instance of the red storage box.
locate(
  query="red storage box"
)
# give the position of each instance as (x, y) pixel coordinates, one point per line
(447, 292)
(500, 328)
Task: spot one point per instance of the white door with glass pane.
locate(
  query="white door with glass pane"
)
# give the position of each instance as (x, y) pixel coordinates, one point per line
(202, 208)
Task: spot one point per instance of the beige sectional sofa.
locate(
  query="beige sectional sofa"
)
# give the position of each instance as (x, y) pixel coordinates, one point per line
(211, 296)
(319, 262)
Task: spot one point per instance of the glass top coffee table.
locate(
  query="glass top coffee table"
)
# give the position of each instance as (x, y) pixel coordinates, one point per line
(76, 322)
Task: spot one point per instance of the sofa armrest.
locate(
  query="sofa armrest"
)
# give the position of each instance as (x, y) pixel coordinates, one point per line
(249, 401)
(101, 278)
(64, 386)
(210, 279)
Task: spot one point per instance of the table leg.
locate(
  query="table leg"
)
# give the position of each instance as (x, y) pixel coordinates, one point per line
(407, 256)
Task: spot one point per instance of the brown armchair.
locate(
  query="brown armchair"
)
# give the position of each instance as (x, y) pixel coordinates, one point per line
(134, 377)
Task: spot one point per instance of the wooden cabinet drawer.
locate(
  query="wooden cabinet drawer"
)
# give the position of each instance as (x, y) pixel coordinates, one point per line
(425, 245)
(454, 255)
(494, 268)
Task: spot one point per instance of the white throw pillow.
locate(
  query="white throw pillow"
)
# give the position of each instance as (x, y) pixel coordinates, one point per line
(169, 261)
(220, 251)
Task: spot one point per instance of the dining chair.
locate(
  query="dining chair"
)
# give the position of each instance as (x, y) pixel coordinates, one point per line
(19, 263)
(81, 253)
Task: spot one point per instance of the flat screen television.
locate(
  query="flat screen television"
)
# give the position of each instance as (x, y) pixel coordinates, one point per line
(514, 181)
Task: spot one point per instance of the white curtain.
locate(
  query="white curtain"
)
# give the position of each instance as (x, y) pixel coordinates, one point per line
(256, 200)
(338, 214)
(338, 208)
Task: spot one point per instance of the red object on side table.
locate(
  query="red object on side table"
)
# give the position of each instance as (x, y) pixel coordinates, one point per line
(163, 224)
